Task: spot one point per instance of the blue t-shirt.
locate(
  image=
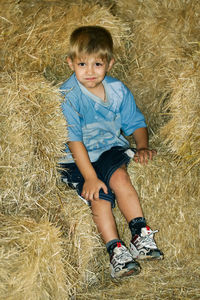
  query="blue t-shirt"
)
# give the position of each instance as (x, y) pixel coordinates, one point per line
(99, 125)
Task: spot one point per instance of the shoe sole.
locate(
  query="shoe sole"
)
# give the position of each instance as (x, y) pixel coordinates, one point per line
(153, 255)
(124, 273)
(146, 257)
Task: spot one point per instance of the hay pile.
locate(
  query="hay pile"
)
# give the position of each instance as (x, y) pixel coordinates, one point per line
(31, 260)
(177, 196)
(50, 248)
(182, 132)
(36, 35)
(165, 69)
(84, 243)
(32, 134)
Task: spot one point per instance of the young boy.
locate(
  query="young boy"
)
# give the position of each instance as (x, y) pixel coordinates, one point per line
(98, 109)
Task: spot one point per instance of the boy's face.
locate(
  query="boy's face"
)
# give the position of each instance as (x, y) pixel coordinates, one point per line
(90, 70)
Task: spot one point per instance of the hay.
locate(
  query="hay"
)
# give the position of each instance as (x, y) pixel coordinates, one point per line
(165, 58)
(85, 246)
(32, 134)
(36, 39)
(169, 198)
(32, 265)
(162, 36)
(182, 132)
(168, 280)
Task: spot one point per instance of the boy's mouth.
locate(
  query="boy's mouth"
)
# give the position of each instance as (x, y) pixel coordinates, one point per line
(90, 78)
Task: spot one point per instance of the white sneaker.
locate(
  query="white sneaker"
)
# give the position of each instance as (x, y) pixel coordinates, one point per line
(143, 246)
(122, 263)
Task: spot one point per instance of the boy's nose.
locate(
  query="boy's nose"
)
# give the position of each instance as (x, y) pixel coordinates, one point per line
(89, 70)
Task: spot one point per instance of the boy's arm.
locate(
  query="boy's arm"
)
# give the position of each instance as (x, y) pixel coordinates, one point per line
(92, 184)
(143, 153)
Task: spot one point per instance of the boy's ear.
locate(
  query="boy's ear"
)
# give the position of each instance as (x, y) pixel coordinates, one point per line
(110, 64)
(70, 63)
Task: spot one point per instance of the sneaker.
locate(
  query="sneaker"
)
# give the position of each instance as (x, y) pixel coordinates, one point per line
(122, 263)
(143, 246)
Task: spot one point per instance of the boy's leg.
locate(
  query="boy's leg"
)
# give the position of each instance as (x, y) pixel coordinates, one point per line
(121, 261)
(126, 195)
(142, 245)
(104, 220)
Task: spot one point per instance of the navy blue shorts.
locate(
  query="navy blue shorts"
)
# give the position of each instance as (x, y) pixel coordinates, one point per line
(105, 166)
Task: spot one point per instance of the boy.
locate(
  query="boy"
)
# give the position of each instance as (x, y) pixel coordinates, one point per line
(98, 108)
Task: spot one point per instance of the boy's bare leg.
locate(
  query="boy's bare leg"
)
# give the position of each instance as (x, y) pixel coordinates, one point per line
(126, 195)
(104, 220)
(128, 203)
(121, 261)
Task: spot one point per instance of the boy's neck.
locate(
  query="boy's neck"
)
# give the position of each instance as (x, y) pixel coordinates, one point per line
(98, 91)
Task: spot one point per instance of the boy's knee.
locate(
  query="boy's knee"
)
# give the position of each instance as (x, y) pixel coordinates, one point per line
(101, 203)
(99, 207)
(120, 176)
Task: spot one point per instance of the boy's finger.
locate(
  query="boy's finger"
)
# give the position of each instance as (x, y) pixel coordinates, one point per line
(86, 196)
(136, 158)
(83, 194)
(96, 196)
(91, 197)
(150, 155)
(104, 187)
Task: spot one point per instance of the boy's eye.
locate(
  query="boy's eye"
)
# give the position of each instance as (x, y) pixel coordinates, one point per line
(81, 64)
(98, 64)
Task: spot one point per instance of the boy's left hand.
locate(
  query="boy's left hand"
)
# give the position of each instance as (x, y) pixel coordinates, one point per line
(143, 155)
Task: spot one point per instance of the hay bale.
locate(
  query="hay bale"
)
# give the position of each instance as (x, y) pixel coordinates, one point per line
(164, 41)
(37, 37)
(32, 265)
(166, 280)
(181, 133)
(32, 134)
(170, 200)
(85, 245)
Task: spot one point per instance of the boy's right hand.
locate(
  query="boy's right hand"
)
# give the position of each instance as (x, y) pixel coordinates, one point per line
(92, 187)
(92, 184)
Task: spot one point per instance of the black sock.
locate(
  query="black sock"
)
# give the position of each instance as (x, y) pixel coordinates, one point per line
(136, 224)
(112, 244)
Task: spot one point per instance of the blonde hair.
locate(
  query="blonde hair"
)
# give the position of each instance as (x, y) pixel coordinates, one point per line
(87, 40)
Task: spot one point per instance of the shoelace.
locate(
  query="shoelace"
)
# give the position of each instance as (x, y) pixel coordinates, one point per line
(148, 240)
(124, 255)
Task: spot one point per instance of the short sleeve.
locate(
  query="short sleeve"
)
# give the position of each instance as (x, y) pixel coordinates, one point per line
(70, 110)
(131, 116)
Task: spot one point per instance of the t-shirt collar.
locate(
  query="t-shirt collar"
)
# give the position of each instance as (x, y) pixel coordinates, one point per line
(94, 97)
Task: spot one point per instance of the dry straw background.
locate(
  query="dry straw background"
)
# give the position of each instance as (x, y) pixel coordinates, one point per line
(49, 246)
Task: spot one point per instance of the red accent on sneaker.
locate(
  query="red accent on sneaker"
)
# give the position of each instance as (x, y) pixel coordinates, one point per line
(119, 244)
(148, 228)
